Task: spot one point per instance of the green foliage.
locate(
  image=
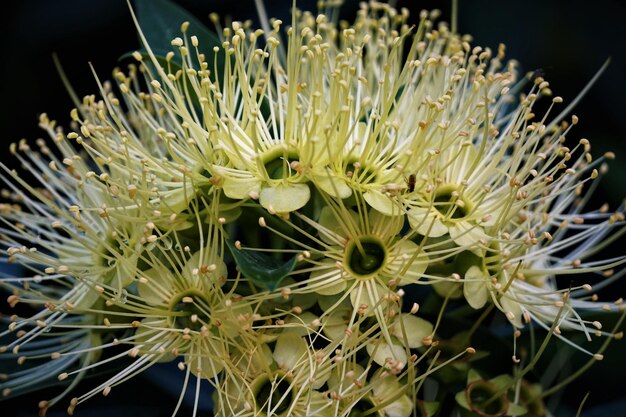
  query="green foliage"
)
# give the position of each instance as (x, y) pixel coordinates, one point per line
(160, 22)
(261, 269)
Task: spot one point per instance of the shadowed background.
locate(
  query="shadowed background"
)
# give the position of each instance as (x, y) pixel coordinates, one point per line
(568, 40)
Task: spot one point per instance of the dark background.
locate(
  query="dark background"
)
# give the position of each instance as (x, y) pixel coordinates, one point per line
(568, 39)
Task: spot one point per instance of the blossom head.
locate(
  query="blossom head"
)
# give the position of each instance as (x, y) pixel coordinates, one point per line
(272, 213)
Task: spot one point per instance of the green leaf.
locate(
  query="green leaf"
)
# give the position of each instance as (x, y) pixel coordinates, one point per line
(261, 269)
(160, 22)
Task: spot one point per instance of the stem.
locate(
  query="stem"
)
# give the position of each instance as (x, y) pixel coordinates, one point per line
(455, 16)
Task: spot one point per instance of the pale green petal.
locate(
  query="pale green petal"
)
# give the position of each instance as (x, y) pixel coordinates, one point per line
(305, 301)
(240, 188)
(371, 294)
(385, 225)
(126, 269)
(380, 351)
(332, 301)
(339, 380)
(411, 330)
(332, 185)
(301, 325)
(475, 287)
(510, 306)
(177, 199)
(320, 404)
(192, 263)
(197, 261)
(516, 410)
(87, 293)
(285, 198)
(465, 234)
(228, 214)
(334, 223)
(148, 339)
(182, 221)
(206, 366)
(453, 290)
(220, 273)
(402, 407)
(335, 324)
(320, 376)
(388, 387)
(230, 316)
(426, 222)
(383, 203)
(404, 264)
(253, 363)
(327, 281)
(493, 214)
(290, 351)
(155, 286)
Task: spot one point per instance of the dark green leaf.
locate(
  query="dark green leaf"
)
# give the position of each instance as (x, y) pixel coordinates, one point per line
(261, 269)
(160, 22)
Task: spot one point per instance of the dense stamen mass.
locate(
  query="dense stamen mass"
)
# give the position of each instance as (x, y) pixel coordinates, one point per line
(315, 219)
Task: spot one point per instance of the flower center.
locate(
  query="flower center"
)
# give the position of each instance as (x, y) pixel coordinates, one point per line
(365, 256)
(279, 165)
(269, 393)
(480, 397)
(450, 204)
(190, 311)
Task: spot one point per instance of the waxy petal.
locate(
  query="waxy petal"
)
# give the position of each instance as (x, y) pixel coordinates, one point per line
(240, 188)
(332, 185)
(406, 264)
(333, 223)
(380, 352)
(155, 286)
(412, 329)
(327, 281)
(512, 309)
(475, 287)
(285, 198)
(290, 350)
(426, 222)
(465, 234)
(383, 203)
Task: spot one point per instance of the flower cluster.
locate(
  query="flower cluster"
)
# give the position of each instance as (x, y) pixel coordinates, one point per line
(273, 216)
